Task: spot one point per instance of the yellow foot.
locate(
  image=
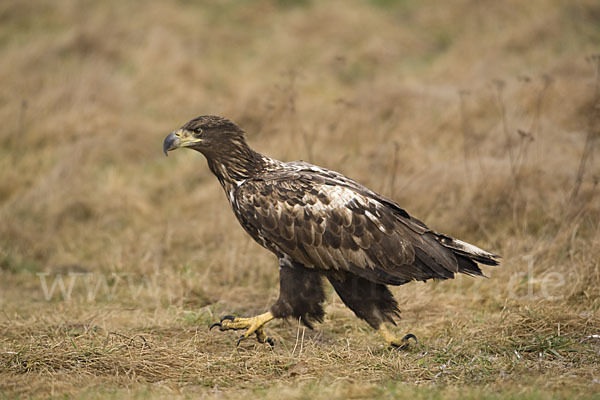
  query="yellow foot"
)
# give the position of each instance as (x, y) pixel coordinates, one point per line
(252, 325)
(392, 341)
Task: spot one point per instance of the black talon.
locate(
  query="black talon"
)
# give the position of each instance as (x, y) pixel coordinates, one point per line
(220, 323)
(228, 318)
(239, 340)
(410, 336)
(271, 342)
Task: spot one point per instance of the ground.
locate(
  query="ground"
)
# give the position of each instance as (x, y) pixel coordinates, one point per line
(479, 117)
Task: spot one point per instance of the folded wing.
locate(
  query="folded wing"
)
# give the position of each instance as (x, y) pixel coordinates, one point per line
(326, 221)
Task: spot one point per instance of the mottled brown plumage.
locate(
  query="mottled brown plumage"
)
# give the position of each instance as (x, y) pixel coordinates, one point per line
(320, 223)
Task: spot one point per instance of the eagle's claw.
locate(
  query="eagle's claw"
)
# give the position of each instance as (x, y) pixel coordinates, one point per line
(220, 323)
(391, 340)
(252, 325)
(410, 336)
(404, 343)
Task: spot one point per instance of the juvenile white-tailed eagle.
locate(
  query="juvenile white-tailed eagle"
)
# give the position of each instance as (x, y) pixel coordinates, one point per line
(321, 224)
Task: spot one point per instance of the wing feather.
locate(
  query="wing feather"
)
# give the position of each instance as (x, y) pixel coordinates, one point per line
(329, 222)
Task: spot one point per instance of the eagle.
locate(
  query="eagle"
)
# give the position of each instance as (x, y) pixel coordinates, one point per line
(322, 225)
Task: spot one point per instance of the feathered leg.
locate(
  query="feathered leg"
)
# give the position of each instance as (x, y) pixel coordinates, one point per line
(301, 293)
(370, 301)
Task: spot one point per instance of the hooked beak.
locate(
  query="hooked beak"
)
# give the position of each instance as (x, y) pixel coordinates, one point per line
(172, 142)
(180, 138)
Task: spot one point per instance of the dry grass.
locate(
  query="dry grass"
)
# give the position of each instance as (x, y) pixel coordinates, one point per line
(481, 118)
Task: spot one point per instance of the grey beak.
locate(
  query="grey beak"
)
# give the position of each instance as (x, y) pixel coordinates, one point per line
(171, 143)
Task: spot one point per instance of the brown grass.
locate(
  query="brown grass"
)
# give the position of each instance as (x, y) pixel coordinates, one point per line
(481, 118)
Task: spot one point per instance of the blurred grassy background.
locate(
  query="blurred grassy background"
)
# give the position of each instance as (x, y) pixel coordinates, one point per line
(479, 117)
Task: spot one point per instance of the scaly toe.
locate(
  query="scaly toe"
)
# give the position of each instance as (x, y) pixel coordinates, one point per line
(251, 325)
(404, 343)
(262, 337)
(399, 345)
(220, 323)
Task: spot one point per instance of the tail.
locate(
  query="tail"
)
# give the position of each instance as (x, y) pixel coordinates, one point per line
(468, 255)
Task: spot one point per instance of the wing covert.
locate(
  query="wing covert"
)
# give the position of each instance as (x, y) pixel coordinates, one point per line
(331, 225)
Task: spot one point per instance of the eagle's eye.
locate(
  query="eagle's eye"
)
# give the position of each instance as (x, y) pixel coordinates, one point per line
(197, 131)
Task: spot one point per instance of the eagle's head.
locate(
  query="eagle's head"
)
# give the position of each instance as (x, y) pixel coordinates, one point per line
(208, 134)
